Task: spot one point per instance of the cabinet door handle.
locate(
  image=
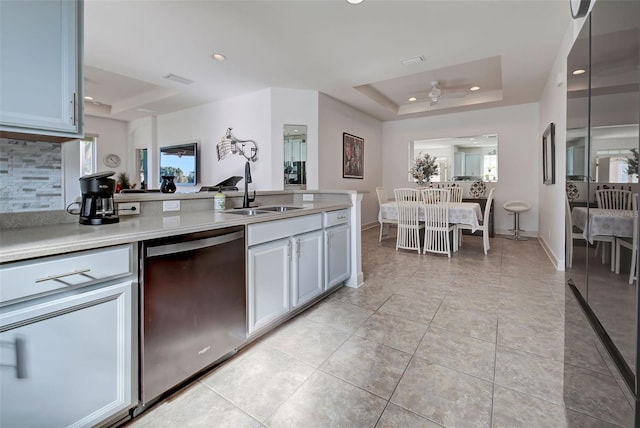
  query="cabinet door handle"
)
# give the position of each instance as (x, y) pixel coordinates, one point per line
(19, 345)
(62, 275)
(74, 107)
(21, 357)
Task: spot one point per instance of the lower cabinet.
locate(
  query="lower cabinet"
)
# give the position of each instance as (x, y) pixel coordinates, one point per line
(268, 282)
(285, 267)
(283, 275)
(66, 361)
(337, 255)
(307, 268)
(337, 247)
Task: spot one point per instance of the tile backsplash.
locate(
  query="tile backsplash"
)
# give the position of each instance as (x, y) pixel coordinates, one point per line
(30, 176)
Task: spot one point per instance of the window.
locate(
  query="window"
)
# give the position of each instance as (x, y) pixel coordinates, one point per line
(611, 166)
(88, 161)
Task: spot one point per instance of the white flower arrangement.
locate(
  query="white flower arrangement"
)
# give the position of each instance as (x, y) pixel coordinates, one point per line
(424, 167)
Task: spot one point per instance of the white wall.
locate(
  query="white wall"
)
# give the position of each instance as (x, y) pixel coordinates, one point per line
(335, 118)
(142, 135)
(519, 153)
(553, 108)
(112, 138)
(258, 116)
(248, 115)
(293, 107)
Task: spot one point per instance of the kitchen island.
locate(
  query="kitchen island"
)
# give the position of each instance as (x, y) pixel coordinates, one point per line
(87, 280)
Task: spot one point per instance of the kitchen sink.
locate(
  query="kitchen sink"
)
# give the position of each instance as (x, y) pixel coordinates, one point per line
(247, 211)
(279, 208)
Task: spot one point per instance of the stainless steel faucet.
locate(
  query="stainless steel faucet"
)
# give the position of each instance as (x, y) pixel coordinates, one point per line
(230, 144)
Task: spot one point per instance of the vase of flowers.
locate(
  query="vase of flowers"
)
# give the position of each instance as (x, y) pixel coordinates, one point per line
(424, 167)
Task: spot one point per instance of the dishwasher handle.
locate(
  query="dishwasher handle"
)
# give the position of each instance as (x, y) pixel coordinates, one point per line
(181, 247)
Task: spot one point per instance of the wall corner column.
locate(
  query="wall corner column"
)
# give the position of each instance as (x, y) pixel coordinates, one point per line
(357, 277)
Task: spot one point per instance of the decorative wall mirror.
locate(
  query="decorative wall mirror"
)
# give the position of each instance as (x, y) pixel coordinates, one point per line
(603, 107)
(459, 159)
(295, 156)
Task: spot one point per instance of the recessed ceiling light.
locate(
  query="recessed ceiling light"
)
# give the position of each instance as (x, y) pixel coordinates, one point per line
(412, 99)
(218, 56)
(355, 1)
(474, 88)
(88, 98)
(579, 71)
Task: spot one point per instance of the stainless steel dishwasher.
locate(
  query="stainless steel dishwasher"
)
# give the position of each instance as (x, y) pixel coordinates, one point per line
(193, 306)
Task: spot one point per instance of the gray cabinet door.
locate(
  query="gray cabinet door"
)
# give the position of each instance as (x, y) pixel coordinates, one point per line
(268, 280)
(41, 67)
(72, 365)
(337, 255)
(307, 268)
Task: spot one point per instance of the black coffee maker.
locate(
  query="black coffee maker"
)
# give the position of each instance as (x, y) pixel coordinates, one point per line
(97, 199)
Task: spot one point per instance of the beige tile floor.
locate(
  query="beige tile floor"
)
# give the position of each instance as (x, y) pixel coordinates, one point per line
(471, 341)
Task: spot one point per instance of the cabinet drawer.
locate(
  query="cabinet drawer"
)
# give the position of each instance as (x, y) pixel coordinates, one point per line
(32, 277)
(272, 230)
(332, 218)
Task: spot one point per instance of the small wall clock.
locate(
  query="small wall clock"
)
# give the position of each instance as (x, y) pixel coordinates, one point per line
(112, 160)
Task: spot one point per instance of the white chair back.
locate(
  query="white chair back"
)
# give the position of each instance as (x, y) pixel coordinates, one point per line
(613, 199)
(382, 195)
(436, 222)
(485, 221)
(433, 196)
(456, 193)
(409, 205)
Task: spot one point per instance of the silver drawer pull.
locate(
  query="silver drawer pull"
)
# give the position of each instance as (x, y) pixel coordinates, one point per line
(55, 277)
(341, 216)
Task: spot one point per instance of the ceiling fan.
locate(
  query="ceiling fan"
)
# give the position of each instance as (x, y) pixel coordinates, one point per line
(437, 93)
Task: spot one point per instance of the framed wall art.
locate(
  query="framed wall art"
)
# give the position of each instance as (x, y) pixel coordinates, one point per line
(549, 155)
(352, 156)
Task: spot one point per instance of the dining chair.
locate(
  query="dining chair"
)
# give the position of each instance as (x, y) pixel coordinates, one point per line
(436, 222)
(633, 245)
(456, 193)
(420, 189)
(385, 223)
(409, 225)
(484, 224)
(611, 199)
(571, 234)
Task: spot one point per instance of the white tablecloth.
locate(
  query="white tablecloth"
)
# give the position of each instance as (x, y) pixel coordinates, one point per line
(459, 212)
(603, 222)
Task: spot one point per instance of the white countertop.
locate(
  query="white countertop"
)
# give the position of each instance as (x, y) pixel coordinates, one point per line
(27, 243)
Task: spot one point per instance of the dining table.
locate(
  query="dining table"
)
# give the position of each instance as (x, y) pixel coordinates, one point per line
(603, 222)
(467, 213)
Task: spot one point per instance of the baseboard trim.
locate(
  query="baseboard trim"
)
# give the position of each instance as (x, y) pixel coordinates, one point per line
(558, 263)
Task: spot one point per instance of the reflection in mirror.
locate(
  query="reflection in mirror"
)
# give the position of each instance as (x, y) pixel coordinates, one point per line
(460, 159)
(295, 156)
(611, 151)
(602, 135)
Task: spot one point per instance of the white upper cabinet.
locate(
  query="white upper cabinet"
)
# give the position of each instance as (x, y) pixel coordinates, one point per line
(41, 59)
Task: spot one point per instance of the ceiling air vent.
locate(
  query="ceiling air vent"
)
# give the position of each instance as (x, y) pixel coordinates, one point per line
(178, 79)
(412, 60)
